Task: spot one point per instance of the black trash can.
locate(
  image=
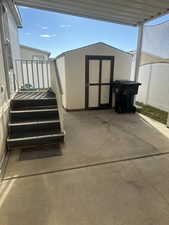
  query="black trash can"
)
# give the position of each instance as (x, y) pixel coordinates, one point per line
(124, 95)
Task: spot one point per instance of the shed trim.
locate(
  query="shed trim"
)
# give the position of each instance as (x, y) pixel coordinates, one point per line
(87, 46)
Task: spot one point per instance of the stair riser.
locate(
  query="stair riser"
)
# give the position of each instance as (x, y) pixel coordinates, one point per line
(22, 104)
(36, 107)
(33, 116)
(35, 142)
(26, 130)
(32, 104)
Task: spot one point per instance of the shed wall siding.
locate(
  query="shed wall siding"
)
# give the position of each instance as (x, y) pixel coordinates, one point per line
(75, 71)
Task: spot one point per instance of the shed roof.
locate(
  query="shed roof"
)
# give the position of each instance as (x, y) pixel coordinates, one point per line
(35, 49)
(130, 12)
(94, 44)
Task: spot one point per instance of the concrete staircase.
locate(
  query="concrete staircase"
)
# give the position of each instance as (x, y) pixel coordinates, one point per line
(34, 122)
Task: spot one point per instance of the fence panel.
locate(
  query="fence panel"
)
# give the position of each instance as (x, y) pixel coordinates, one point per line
(154, 90)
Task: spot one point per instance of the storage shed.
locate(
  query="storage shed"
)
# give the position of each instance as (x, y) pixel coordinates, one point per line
(86, 74)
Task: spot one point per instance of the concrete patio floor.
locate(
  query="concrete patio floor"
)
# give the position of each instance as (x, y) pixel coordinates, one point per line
(110, 172)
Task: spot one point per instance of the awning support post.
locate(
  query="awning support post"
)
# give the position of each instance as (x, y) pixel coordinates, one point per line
(138, 52)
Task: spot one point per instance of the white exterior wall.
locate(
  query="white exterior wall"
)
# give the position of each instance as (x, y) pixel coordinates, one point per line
(75, 71)
(4, 107)
(27, 53)
(61, 70)
(4, 101)
(14, 37)
(15, 47)
(154, 90)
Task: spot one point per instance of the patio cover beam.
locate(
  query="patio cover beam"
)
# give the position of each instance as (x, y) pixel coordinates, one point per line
(131, 12)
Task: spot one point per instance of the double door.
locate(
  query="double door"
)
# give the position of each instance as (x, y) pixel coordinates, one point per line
(99, 76)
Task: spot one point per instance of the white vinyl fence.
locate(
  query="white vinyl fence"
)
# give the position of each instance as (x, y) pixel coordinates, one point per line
(32, 74)
(154, 90)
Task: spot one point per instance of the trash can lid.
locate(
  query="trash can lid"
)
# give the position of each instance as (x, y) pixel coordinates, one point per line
(126, 82)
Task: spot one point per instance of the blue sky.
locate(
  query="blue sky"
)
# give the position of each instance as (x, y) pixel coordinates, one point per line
(56, 33)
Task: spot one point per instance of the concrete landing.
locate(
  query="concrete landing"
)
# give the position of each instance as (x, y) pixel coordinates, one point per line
(95, 137)
(107, 174)
(126, 193)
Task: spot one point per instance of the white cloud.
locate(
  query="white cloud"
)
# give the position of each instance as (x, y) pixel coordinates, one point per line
(44, 28)
(65, 26)
(47, 35)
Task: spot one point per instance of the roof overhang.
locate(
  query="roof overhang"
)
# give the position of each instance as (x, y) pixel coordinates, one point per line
(132, 12)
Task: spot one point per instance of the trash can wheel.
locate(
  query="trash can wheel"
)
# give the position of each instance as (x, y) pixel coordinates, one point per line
(133, 109)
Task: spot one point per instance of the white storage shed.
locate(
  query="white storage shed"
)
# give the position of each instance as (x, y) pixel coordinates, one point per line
(86, 73)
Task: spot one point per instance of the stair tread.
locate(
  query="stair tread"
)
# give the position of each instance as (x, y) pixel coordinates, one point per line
(33, 110)
(30, 120)
(38, 99)
(34, 123)
(33, 95)
(35, 137)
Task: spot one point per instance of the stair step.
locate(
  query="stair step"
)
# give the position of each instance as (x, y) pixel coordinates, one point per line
(33, 128)
(32, 115)
(33, 110)
(35, 107)
(32, 103)
(33, 123)
(35, 140)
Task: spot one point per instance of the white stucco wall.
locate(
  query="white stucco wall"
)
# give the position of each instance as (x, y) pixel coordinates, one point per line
(61, 70)
(27, 53)
(75, 71)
